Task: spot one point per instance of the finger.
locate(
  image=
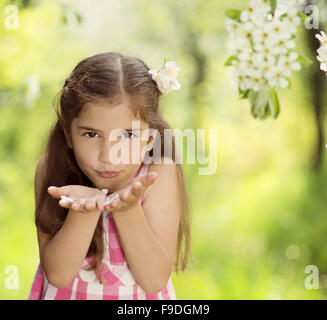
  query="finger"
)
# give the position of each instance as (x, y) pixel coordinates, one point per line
(65, 204)
(137, 189)
(71, 200)
(111, 205)
(150, 178)
(111, 198)
(90, 205)
(126, 196)
(100, 204)
(75, 206)
(54, 192)
(57, 192)
(116, 204)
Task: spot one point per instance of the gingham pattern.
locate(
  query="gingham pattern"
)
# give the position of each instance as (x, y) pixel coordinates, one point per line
(117, 280)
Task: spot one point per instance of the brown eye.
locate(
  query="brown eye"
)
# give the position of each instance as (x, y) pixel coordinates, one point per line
(128, 135)
(90, 134)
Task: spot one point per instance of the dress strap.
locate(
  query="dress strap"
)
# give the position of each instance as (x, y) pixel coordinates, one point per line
(142, 173)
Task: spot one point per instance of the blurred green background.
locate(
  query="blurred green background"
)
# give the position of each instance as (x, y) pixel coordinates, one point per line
(256, 223)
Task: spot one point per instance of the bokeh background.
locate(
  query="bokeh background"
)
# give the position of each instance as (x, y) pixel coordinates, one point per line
(258, 221)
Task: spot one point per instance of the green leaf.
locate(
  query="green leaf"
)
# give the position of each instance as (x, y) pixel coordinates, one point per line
(264, 103)
(64, 20)
(252, 95)
(254, 111)
(229, 61)
(274, 105)
(304, 61)
(302, 15)
(243, 94)
(233, 14)
(79, 17)
(273, 4)
(166, 59)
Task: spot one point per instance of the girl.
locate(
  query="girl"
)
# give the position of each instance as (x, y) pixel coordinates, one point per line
(90, 248)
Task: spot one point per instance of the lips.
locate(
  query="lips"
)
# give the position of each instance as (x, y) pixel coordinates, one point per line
(108, 174)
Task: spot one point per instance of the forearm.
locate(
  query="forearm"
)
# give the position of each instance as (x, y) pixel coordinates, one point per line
(65, 252)
(145, 255)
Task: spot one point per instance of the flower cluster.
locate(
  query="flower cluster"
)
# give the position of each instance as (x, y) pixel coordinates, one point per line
(322, 51)
(262, 51)
(166, 77)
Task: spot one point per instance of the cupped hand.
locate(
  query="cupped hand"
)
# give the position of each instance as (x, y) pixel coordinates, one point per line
(78, 198)
(130, 195)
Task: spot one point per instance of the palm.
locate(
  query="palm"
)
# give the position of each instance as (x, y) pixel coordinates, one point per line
(129, 195)
(92, 197)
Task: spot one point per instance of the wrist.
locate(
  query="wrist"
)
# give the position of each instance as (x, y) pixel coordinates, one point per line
(128, 212)
(85, 212)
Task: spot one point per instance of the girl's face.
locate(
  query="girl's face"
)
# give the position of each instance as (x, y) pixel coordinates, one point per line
(90, 133)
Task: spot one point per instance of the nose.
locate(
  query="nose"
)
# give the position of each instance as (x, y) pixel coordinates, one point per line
(104, 152)
(115, 156)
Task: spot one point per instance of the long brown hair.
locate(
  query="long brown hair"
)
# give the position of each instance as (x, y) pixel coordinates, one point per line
(108, 76)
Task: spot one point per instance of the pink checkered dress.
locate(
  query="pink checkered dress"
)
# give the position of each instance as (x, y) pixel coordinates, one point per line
(118, 282)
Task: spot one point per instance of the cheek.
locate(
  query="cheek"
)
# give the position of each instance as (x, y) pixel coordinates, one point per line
(84, 154)
(141, 150)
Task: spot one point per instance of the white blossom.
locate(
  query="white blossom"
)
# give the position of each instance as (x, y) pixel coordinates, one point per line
(263, 5)
(282, 46)
(276, 77)
(284, 6)
(289, 63)
(268, 63)
(256, 78)
(232, 26)
(166, 78)
(291, 21)
(278, 29)
(322, 51)
(260, 35)
(237, 46)
(322, 38)
(264, 45)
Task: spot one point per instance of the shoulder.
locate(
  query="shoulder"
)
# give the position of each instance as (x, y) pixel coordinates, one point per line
(167, 177)
(166, 165)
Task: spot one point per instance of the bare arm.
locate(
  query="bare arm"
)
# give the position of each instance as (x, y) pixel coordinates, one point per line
(149, 234)
(65, 252)
(62, 256)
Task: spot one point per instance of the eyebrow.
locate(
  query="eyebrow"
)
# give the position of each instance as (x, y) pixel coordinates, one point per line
(92, 129)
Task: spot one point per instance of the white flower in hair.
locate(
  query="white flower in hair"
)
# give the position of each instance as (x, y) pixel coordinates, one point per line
(166, 78)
